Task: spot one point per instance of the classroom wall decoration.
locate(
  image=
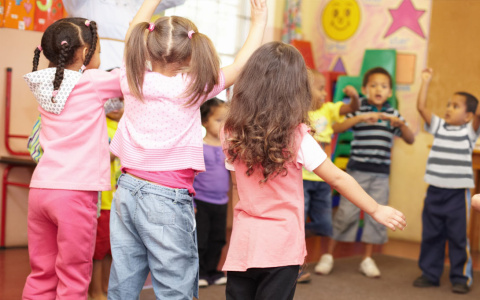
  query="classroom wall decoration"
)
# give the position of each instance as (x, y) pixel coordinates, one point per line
(345, 28)
(30, 14)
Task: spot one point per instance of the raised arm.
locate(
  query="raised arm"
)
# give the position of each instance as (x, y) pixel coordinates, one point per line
(348, 187)
(144, 14)
(422, 96)
(259, 14)
(354, 104)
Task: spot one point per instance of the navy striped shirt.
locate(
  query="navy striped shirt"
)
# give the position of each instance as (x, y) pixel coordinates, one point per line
(449, 163)
(372, 143)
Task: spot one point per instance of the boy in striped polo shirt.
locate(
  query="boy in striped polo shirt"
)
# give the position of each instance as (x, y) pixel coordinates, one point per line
(374, 125)
(450, 177)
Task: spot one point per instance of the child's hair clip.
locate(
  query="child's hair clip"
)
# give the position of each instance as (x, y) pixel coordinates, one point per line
(82, 68)
(151, 27)
(64, 43)
(190, 33)
(39, 47)
(87, 23)
(54, 94)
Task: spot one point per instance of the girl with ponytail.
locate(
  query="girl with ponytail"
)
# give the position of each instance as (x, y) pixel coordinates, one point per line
(170, 70)
(75, 164)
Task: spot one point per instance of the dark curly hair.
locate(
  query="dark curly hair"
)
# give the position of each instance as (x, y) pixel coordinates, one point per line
(271, 98)
(60, 42)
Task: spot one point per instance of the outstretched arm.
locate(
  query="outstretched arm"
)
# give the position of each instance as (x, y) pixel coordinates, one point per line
(348, 187)
(144, 14)
(254, 40)
(350, 122)
(422, 96)
(354, 104)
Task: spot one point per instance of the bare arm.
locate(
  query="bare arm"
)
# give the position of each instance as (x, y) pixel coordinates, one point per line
(476, 202)
(350, 189)
(407, 134)
(254, 40)
(422, 96)
(354, 104)
(350, 122)
(144, 14)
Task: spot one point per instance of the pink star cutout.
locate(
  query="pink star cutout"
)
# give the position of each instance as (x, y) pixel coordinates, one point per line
(406, 16)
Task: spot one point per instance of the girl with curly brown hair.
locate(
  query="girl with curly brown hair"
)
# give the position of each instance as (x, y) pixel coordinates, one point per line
(266, 140)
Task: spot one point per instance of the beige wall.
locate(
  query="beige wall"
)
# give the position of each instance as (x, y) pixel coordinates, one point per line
(17, 52)
(453, 54)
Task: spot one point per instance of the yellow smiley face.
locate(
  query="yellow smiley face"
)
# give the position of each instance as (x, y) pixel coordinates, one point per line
(341, 19)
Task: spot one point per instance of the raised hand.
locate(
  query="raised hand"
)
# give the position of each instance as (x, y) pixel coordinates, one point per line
(427, 75)
(350, 91)
(259, 11)
(389, 217)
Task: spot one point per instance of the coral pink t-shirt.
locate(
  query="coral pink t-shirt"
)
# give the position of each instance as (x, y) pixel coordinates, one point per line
(268, 223)
(74, 136)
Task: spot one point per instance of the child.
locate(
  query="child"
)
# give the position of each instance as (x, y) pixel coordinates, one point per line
(211, 197)
(74, 167)
(450, 178)
(266, 143)
(374, 125)
(317, 193)
(159, 143)
(102, 257)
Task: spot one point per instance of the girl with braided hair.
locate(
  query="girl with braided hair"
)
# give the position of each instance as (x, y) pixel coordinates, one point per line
(63, 191)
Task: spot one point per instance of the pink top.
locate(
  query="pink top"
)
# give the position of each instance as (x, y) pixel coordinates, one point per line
(180, 179)
(268, 224)
(73, 130)
(160, 133)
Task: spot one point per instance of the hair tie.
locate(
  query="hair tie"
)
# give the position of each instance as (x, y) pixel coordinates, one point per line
(82, 68)
(54, 93)
(39, 47)
(151, 26)
(87, 23)
(64, 43)
(190, 33)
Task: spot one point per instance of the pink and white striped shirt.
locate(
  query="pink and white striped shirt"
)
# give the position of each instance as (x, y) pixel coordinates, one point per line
(160, 133)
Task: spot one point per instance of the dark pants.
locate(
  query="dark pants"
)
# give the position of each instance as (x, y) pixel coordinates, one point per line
(211, 235)
(262, 284)
(444, 219)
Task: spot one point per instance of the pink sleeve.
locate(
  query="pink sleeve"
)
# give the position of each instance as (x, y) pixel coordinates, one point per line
(106, 84)
(219, 87)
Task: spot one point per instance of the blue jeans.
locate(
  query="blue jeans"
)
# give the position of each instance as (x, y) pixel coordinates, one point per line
(152, 228)
(318, 206)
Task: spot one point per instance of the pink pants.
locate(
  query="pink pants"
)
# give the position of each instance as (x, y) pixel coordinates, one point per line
(61, 238)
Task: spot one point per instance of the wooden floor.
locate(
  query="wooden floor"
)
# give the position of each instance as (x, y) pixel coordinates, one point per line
(14, 266)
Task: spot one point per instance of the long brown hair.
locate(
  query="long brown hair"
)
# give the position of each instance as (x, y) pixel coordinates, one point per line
(271, 98)
(169, 44)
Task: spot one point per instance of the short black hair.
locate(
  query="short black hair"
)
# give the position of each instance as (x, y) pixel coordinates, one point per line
(470, 101)
(376, 70)
(206, 108)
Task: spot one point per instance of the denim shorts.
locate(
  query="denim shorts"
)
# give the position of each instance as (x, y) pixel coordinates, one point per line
(152, 228)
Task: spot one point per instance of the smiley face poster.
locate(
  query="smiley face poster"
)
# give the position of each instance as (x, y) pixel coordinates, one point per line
(344, 29)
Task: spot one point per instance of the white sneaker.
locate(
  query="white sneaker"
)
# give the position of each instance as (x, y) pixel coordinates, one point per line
(369, 268)
(221, 281)
(325, 265)
(202, 283)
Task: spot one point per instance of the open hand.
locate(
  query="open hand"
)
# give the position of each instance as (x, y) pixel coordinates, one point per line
(350, 91)
(259, 11)
(427, 75)
(389, 217)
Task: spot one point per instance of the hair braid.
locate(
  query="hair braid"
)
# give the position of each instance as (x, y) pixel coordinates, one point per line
(93, 46)
(64, 52)
(36, 59)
